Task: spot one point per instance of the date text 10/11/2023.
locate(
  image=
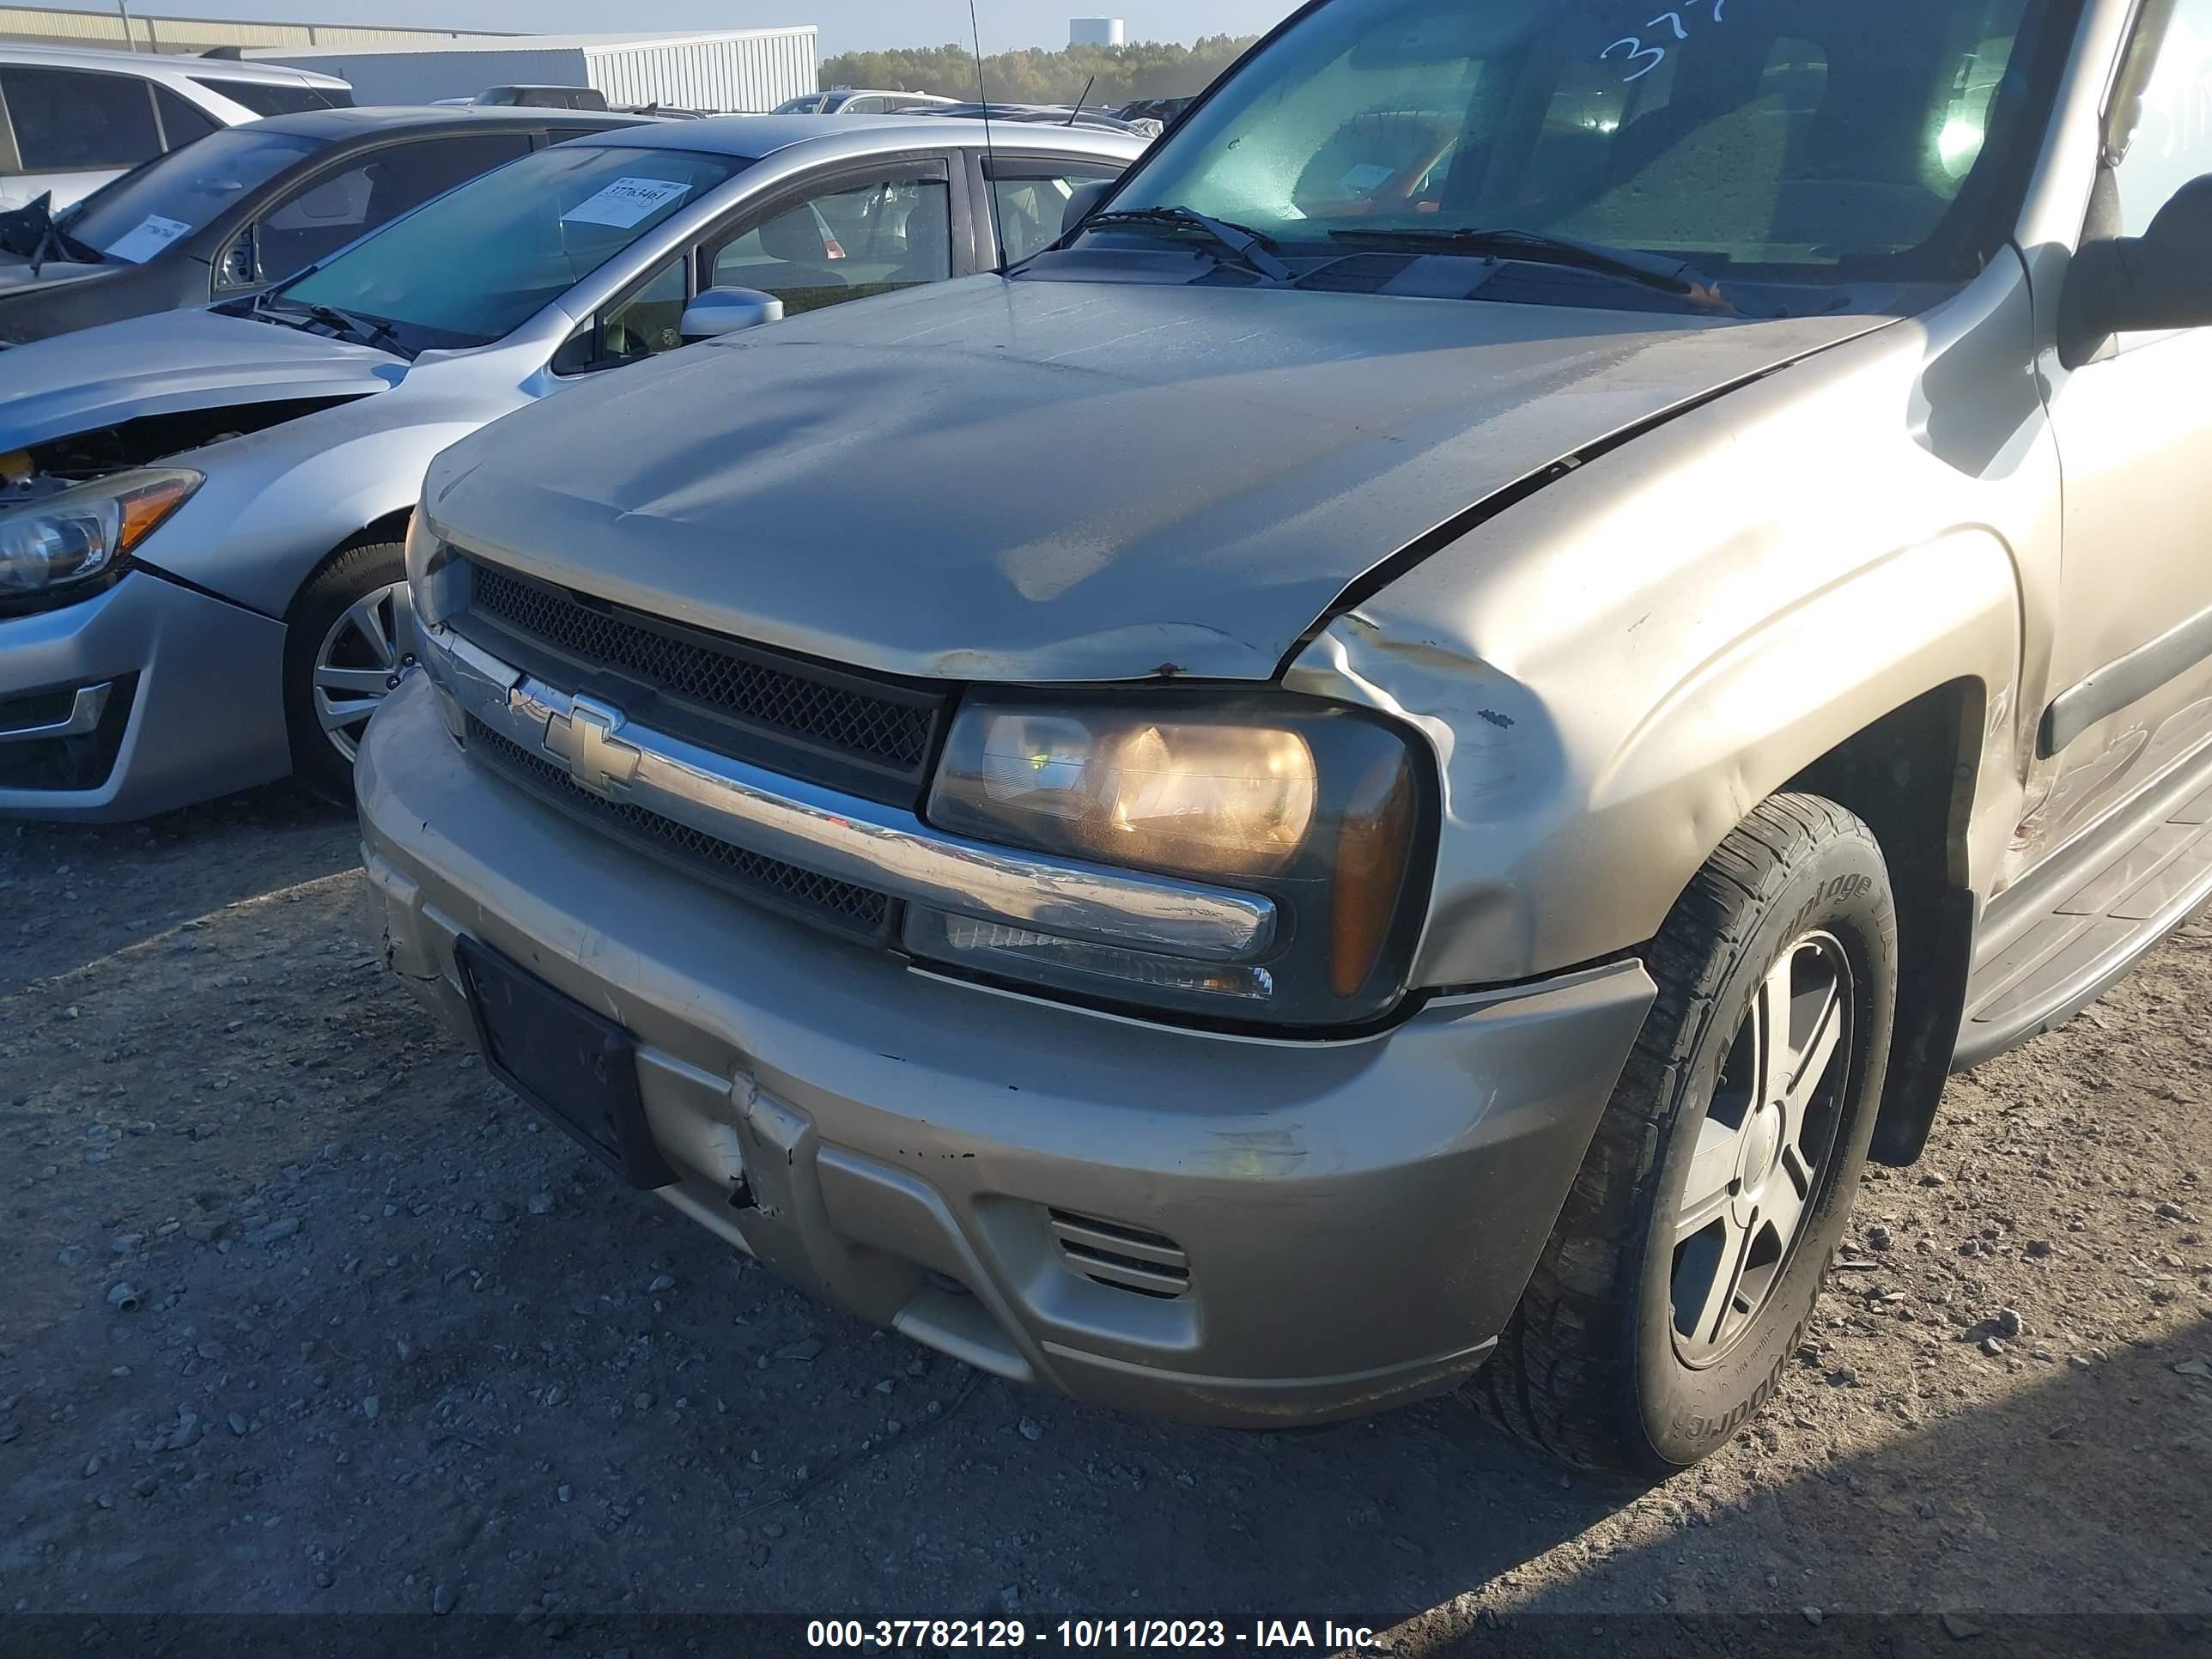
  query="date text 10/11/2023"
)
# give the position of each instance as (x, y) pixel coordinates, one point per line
(1082, 1635)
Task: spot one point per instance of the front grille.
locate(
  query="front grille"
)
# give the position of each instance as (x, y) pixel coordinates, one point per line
(1121, 1257)
(803, 718)
(858, 912)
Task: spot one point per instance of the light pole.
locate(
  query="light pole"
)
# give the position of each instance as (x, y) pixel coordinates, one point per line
(128, 39)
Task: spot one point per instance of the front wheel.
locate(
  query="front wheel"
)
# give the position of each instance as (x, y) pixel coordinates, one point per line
(349, 644)
(1683, 1271)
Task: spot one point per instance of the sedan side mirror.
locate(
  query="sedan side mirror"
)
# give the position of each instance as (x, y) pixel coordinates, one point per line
(1082, 203)
(2161, 279)
(719, 311)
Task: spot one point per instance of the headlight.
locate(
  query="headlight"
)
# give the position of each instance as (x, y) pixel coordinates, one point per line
(1323, 810)
(437, 581)
(80, 534)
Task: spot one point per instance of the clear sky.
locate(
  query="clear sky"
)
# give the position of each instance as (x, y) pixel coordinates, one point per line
(846, 25)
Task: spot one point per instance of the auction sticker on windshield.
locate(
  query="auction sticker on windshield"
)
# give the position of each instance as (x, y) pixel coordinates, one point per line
(149, 239)
(624, 203)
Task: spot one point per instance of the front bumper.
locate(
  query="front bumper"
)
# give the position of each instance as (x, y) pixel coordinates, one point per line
(1351, 1223)
(189, 706)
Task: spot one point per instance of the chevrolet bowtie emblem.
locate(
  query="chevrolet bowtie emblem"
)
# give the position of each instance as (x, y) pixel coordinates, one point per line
(584, 739)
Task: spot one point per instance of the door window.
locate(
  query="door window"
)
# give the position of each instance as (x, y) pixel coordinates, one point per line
(648, 323)
(1032, 204)
(2172, 142)
(272, 98)
(328, 212)
(69, 119)
(849, 240)
(182, 120)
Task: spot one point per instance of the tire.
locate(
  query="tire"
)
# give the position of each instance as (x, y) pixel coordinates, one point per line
(1605, 1365)
(332, 648)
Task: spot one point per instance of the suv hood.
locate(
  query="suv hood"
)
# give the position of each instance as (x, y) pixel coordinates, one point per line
(1022, 480)
(175, 361)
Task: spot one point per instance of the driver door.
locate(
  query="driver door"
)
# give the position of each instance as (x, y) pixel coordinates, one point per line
(2131, 666)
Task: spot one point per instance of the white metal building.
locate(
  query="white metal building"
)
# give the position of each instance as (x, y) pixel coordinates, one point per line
(724, 69)
(123, 27)
(1097, 32)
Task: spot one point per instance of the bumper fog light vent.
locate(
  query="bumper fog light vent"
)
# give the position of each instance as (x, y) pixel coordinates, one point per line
(1125, 1258)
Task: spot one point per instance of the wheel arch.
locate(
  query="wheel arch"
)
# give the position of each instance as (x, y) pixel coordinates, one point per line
(1911, 776)
(390, 527)
(1583, 794)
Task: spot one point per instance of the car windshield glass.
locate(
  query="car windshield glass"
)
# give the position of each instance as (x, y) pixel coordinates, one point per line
(481, 260)
(141, 214)
(1781, 140)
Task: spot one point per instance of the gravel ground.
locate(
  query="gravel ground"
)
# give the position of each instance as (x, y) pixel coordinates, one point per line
(307, 1316)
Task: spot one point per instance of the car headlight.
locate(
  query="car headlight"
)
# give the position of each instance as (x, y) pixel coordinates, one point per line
(437, 578)
(1323, 809)
(79, 535)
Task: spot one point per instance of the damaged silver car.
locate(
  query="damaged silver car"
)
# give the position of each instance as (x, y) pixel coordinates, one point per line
(1393, 763)
(202, 513)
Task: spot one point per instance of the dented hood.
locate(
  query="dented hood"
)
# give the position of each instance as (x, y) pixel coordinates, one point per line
(1024, 480)
(178, 359)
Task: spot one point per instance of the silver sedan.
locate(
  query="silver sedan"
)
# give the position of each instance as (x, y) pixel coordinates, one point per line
(202, 514)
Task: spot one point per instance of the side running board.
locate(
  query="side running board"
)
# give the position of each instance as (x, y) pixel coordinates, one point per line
(2058, 940)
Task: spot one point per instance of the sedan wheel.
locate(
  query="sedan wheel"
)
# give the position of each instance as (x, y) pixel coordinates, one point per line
(362, 660)
(349, 644)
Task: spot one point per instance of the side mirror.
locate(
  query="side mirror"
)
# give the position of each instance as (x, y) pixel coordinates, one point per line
(2161, 279)
(719, 311)
(1082, 203)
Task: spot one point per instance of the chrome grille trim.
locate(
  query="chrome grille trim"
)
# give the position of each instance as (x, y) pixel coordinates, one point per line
(836, 905)
(840, 837)
(879, 725)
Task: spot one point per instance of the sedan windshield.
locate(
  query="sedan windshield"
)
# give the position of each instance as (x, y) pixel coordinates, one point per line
(143, 212)
(478, 262)
(1819, 141)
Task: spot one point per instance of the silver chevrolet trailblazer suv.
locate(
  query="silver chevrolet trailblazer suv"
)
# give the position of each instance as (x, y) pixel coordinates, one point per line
(1393, 760)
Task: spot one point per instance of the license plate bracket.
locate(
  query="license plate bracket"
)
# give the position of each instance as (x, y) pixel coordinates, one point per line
(576, 1067)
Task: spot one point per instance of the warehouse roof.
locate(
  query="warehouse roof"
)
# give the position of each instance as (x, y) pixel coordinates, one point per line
(588, 44)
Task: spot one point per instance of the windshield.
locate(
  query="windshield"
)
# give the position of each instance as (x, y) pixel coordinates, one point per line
(478, 262)
(143, 212)
(1783, 140)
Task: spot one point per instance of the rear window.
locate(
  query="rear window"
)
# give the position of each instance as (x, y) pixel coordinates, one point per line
(273, 98)
(135, 217)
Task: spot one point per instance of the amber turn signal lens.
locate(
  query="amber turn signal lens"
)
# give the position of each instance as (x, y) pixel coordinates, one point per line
(1373, 845)
(143, 508)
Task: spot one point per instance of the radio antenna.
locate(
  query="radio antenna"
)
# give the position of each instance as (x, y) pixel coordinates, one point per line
(990, 151)
(1081, 101)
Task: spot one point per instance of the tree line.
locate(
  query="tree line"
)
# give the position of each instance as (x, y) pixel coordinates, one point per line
(1149, 69)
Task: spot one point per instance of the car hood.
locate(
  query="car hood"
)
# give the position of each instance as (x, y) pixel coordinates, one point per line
(175, 361)
(1023, 481)
(17, 273)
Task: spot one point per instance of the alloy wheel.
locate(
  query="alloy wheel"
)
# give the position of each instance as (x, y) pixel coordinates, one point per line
(1763, 1148)
(362, 660)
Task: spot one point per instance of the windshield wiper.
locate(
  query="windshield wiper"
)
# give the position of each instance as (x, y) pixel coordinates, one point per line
(1239, 243)
(362, 330)
(32, 233)
(1675, 276)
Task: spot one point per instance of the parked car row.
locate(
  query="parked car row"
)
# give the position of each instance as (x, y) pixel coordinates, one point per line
(203, 507)
(248, 206)
(70, 119)
(1381, 750)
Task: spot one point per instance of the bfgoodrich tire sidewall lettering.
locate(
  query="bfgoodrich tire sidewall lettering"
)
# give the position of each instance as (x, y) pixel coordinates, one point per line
(1686, 1413)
